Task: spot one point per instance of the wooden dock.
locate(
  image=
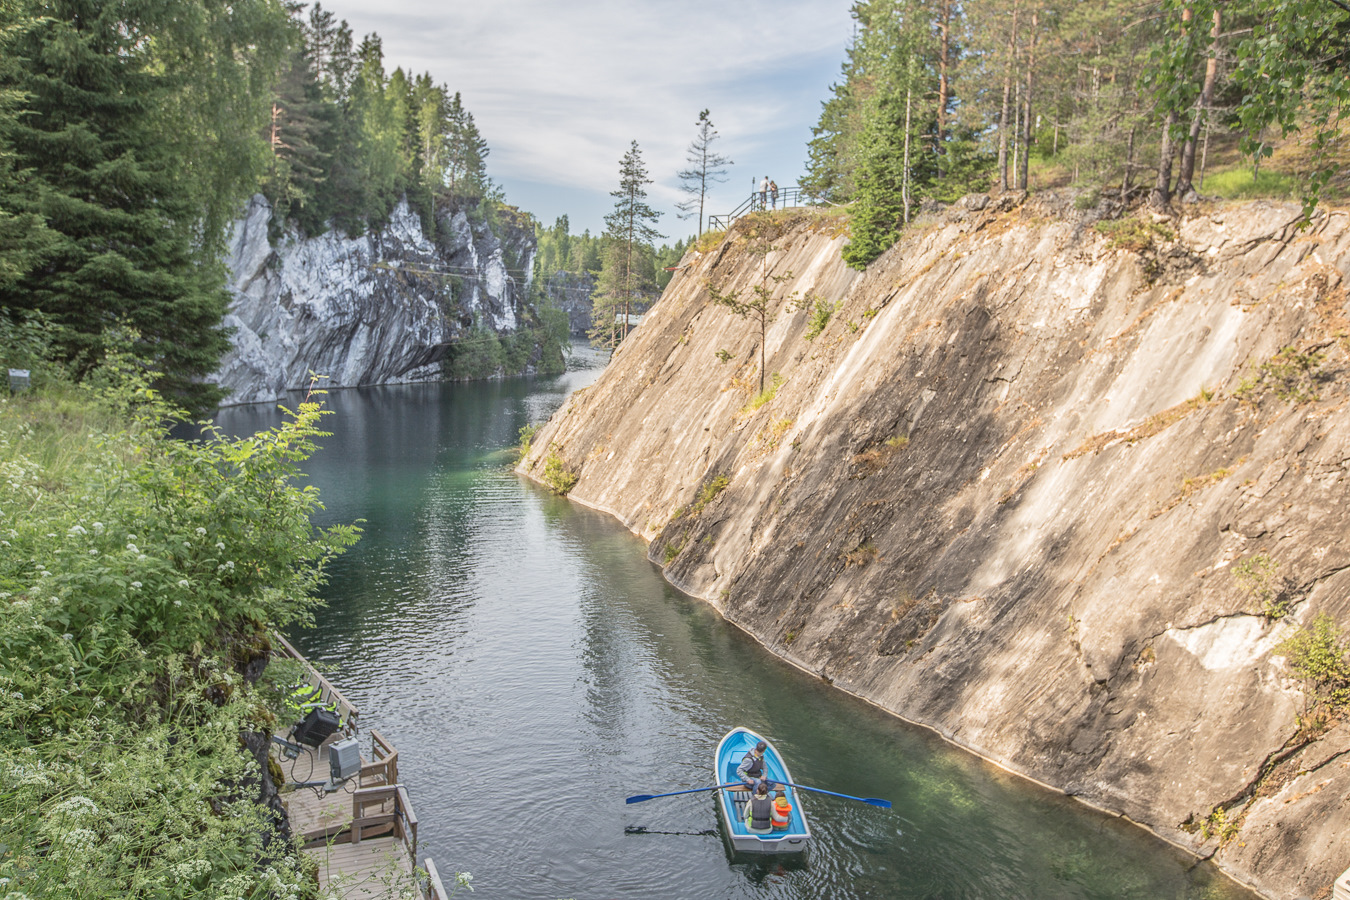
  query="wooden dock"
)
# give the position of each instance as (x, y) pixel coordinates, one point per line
(363, 833)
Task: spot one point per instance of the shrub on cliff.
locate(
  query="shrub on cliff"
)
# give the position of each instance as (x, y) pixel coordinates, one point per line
(140, 577)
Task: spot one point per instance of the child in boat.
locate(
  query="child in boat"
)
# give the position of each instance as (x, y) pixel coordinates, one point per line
(759, 810)
(782, 811)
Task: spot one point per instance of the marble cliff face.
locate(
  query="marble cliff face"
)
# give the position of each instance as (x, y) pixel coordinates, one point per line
(381, 308)
(1005, 490)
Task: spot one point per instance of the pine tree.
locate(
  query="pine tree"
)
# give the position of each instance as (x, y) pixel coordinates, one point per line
(628, 233)
(706, 168)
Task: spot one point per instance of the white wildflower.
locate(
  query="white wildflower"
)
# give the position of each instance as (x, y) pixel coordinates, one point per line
(133, 548)
(183, 583)
(201, 531)
(135, 585)
(178, 603)
(67, 636)
(93, 552)
(220, 545)
(98, 527)
(77, 529)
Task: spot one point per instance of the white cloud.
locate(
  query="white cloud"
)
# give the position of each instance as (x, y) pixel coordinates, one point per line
(560, 89)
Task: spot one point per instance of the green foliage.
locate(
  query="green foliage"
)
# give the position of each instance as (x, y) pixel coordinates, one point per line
(723, 355)
(821, 311)
(140, 577)
(557, 476)
(1317, 655)
(672, 550)
(765, 395)
(1241, 184)
(1291, 374)
(708, 493)
(1256, 576)
(526, 436)
(137, 130)
(1134, 233)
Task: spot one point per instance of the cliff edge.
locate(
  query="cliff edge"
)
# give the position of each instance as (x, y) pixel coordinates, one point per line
(1004, 487)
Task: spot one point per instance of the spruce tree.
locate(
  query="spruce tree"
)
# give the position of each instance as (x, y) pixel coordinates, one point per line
(140, 129)
(706, 168)
(628, 233)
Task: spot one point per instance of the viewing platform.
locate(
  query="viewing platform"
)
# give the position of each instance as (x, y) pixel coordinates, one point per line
(783, 198)
(362, 832)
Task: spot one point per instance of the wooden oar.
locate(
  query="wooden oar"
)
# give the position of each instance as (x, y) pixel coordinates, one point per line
(874, 801)
(638, 798)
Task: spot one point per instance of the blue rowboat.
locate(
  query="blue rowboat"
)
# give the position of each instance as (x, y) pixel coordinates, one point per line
(731, 802)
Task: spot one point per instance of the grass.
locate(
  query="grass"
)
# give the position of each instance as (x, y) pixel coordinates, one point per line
(708, 494)
(821, 311)
(1238, 184)
(1134, 234)
(1290, 374)
(1154, 424)
(764, 396)
(709, 241)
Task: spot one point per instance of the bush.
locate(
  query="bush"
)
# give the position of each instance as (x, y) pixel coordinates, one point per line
(557, 476)
(1317, 654)
(709, 493)
(821, 311)
(140, 578)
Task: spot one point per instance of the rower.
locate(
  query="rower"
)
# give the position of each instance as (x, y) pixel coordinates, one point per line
(751, 768)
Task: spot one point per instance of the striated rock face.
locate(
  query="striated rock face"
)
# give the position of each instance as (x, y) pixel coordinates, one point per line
(1005, 490)
(382, 308)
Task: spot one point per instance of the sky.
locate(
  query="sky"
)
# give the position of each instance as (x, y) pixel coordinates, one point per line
(559, 90)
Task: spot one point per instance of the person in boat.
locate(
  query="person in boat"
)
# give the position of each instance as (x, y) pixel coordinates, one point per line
(751, 770)
(782, 811)
(759, 810)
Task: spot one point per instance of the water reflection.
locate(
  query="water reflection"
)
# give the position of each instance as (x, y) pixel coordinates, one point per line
(534, 670)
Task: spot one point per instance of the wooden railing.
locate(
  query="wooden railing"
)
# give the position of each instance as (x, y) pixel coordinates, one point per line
(330, 695)
(435, 889)
(382, 770)
(376, 812)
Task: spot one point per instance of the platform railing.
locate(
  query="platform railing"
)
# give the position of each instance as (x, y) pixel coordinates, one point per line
(328, 695)
(382, 769)
(788, 198)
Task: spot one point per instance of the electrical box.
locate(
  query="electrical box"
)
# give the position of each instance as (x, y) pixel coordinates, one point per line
(344, 759)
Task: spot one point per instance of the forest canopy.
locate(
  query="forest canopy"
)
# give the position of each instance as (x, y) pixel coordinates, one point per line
(938, 98)
(130, 134)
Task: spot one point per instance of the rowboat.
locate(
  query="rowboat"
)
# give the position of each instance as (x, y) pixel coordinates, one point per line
(731, 802)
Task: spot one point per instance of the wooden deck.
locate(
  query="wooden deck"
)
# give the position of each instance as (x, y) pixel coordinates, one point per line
(363, 835)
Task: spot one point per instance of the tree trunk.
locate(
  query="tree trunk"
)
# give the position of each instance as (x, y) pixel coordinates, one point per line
(1129, 169)
(1187, 170)
(1009, 67)
(944, 78)
(1162, 188)
(1026, 106)
(904, 179)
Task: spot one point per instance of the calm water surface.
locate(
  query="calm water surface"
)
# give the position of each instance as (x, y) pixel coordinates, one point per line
(533, 669)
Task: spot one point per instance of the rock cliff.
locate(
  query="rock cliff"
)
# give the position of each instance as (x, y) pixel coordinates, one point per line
(1004, 492)
(385, 307)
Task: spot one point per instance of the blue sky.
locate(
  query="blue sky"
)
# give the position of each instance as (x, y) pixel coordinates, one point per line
(559, 89)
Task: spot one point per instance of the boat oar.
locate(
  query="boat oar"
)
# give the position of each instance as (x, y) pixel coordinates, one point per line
(638, 798)
(874, 801)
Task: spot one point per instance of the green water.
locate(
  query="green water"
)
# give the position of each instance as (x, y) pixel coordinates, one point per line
(533, 669)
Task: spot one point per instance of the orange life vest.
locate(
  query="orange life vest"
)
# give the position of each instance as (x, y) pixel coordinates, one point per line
(782, 813)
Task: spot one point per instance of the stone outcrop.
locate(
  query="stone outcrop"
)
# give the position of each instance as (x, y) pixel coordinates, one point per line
(382, 308)
(1003, 493)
